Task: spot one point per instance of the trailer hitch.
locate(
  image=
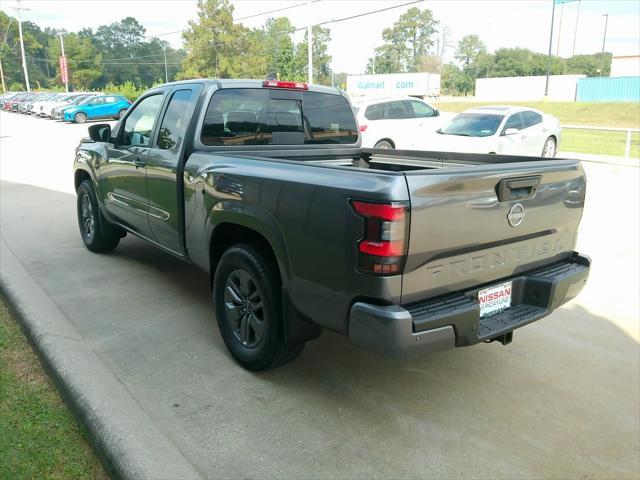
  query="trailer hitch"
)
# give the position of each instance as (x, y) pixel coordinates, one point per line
(504, 339)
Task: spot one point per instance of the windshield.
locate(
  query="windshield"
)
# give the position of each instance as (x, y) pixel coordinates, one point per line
(473, 125)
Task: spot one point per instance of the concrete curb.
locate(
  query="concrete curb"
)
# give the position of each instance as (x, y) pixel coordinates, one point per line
(128, 443)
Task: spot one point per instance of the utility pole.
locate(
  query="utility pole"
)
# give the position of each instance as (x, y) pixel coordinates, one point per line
(66, 83)
(166, 75)
(4, 42)
(604, 37)
(4, 88)
(310, 53)
(559, 30)
(24, 61)
(546, 85)
(575, 32)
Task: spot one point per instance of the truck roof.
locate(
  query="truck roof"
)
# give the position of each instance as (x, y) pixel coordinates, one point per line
(249, 83)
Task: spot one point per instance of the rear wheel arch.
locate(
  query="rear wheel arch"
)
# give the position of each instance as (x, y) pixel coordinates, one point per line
(393, 144)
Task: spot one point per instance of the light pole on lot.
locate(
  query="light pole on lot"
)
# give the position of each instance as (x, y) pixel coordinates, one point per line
(604, 37)
(546, 85)
(19, 9)
(310, 53)
(62, 75)
(575, 32)
(166, 75)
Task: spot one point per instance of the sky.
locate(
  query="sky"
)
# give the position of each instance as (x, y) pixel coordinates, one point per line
(499, 23)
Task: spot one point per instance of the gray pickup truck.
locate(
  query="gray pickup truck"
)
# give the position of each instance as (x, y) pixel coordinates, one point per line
(263, 184)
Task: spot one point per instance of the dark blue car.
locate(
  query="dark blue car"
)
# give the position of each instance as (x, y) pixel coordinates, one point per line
(102, 106)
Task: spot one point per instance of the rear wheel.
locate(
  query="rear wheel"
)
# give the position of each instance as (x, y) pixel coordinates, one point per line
(247, 298)
(80, 117)
(383, 144)
(549, 149)
(97, 234)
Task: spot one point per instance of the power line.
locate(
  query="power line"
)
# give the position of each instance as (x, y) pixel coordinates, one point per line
(241, 18)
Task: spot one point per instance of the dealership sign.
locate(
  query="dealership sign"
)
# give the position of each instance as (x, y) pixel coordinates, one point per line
(64, 69)
(418, 84)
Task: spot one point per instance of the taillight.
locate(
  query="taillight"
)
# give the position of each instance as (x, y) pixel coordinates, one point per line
(282, 84)
(363, 127)
(383, 247)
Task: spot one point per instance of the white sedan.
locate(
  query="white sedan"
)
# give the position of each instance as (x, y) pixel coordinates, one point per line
(399, 122)
(505, 130)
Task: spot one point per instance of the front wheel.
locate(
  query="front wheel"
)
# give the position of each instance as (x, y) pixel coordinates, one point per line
(383, 144)
(80, 117)
(97, 234)
(247, 298)
(549, 149)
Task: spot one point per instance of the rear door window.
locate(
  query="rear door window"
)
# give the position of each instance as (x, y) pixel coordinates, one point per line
(514, 121)
(422, 110)
(530, 118)
(253, 116)
(174, 123)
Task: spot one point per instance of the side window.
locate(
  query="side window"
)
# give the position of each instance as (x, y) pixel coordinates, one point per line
(110, 100)
(139, 123)
(98, 101)
(514, 121)
(398, 110)
(422, 110)
(375, 112)
(529, 118)
(174, 123)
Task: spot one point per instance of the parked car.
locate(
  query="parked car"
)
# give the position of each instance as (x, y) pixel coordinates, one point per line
(504, 130)
(65, 101)
(101, 106)
(401, 122)
(58, 112)
(264, 185)
(36, 105)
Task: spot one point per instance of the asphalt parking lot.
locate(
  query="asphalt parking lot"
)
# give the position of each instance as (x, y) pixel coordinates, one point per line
(561, 401)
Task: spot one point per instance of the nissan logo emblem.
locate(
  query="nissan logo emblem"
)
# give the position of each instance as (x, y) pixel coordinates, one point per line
(516, 215)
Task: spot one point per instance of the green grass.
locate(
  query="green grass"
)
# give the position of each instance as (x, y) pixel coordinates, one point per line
(618, 115)
(622, 115)
(599, 143)
(39, 438)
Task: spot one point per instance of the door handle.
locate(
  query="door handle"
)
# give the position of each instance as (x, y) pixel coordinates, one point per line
(517, 188)
(139, 163)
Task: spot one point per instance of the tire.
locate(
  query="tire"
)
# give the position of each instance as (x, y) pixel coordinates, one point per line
(80, 117)
(97, 234)
(248, 307)
(384, 144)
(549, 149)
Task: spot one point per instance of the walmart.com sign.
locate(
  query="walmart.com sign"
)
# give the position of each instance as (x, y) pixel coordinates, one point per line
(419, 84)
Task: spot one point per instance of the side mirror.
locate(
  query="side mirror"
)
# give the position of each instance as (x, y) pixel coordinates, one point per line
(436, 113)
(511, 131)
(100, 132)
(439, 131)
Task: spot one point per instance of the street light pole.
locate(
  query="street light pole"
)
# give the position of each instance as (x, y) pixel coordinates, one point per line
(310, 53)
(24, 60)
(553, 14)
(604, 37)
(166, 75)
(559, 30)
(575, 32)
(66, 84)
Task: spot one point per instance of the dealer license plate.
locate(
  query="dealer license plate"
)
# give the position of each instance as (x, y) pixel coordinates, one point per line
(494, 299)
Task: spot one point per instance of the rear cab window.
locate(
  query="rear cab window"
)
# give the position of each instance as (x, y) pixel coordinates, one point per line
(255, 116)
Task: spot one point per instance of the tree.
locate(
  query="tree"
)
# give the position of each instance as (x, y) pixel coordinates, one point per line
(595, 65)
(211, 42)
(321, 59)
(279, 48)
(405, 43)
(470, 47)
(455, 82)
(83, 60)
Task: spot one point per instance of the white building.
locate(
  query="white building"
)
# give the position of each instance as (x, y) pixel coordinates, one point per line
(387, 85)
(625, 66)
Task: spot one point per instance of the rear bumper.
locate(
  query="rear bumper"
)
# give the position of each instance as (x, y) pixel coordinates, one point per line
(453, 320)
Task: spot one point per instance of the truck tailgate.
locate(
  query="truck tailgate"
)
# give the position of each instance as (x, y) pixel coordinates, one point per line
(471, 226)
